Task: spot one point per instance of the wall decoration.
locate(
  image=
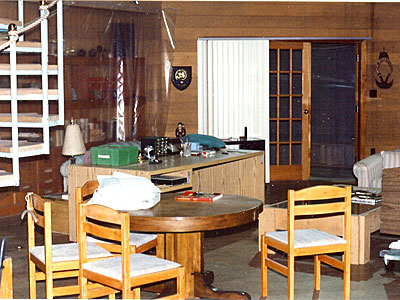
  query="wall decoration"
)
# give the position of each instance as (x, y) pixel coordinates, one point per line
(383, 83)
(181, 77)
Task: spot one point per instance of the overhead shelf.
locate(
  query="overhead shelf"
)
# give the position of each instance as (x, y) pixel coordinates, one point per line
(27, 94)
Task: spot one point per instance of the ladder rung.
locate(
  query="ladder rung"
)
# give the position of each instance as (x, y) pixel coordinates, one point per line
(27, 117)
(25, 46)
(27, 69)
(28, 94)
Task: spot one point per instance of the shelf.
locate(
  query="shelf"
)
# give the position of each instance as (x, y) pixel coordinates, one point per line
(25, 148)
(27, 94)
(25, 46)
(27, 117)
(27, 120)
(87, 60)
(28, 69)
(169, 188)
(78, 104)
(4, 22)
(7, 179)
(184, 174)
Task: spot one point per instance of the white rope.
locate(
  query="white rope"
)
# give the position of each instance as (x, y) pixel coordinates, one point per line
(14, 34)
(27, 210)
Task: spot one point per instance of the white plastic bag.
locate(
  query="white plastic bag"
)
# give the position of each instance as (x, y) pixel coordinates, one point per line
(122, 191)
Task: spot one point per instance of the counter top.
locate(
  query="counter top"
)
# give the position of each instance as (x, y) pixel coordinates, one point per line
(179, 163)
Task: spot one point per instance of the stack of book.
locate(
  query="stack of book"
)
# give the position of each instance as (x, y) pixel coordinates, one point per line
(366, 197)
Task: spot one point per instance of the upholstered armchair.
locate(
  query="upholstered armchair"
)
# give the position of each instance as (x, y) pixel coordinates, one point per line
(368, 171)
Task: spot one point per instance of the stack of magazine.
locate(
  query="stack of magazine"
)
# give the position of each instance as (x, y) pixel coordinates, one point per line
(366, 197)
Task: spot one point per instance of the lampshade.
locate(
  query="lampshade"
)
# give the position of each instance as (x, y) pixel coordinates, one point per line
(73, 141)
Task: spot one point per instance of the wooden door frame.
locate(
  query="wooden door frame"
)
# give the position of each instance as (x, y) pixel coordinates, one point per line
(306, 106)
(360, 99)
(300, 172)
(361, 82)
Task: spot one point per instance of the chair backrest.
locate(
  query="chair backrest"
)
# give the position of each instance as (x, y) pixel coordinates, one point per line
(319, 200)
(84, 192)
(39, 213)
(106, 223)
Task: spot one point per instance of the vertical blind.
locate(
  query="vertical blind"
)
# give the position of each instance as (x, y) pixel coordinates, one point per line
(233, 89)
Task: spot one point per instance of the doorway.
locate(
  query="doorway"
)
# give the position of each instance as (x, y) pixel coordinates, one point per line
(289, 106)
(333, 107)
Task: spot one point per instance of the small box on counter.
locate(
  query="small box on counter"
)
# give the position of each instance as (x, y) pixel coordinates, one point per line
(114, 155)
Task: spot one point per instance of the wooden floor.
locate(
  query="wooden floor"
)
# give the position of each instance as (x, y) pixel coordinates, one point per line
(222, 249)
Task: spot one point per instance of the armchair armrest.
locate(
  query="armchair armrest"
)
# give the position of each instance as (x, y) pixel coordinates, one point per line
(368, 171)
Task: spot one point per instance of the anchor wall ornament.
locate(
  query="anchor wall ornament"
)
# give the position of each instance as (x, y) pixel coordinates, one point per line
(383, 83)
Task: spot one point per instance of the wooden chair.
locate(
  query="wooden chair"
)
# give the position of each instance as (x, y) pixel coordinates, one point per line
(139, 242)
(48, 261)
(327, 200)
(6, 289)
(127, 272)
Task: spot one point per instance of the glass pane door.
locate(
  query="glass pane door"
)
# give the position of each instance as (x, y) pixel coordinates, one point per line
(289, 100)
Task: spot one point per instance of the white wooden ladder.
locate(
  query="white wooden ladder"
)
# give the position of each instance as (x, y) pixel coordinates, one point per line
(15, 93)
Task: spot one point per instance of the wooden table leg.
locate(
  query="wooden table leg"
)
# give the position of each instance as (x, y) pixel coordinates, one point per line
(187, 249)
(204, 289)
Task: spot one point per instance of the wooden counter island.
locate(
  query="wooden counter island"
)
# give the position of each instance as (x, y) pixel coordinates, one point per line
(240, 172)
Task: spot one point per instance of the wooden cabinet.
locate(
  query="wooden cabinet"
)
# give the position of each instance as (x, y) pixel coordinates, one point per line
(39, 174)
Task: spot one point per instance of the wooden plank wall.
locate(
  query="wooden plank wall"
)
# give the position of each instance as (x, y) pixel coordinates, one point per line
(383, 114)
(190, 20)
(291, 19)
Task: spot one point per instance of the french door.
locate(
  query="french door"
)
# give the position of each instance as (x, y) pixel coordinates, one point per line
(289, 109)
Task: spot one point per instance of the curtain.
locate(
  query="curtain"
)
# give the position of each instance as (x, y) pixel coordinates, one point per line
(233, 89)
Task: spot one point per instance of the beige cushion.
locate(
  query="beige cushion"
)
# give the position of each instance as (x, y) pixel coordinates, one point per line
(135, 239)
(69, 252)
(304, 238)
(141, 264)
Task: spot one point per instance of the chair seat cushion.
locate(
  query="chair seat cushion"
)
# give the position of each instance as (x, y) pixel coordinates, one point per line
(135, 239)
(68, 252)
(304, 238)
(141, 264)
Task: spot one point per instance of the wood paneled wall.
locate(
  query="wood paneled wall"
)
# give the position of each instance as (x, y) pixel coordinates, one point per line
(375, 21)
(190, 20)
(383, 114)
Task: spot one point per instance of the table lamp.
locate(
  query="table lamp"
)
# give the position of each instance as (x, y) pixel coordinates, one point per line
(73, 141)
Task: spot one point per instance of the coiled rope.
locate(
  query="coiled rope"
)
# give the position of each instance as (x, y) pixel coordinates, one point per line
(14, 34)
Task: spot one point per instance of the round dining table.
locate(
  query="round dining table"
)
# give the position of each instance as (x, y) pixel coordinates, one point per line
(181, 225)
